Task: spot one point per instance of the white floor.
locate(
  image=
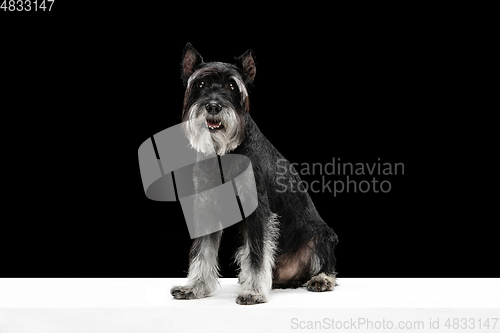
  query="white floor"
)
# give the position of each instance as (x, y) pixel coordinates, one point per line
(145, 305)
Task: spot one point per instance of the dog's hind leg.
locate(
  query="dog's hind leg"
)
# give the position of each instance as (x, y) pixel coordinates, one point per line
(322, 263)
(256, 258)
(321, 282)
(203, 269)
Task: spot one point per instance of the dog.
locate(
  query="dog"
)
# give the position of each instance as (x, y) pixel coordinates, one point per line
(285, 243)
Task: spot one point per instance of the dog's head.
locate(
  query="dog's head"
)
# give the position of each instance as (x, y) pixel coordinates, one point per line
(217, 96)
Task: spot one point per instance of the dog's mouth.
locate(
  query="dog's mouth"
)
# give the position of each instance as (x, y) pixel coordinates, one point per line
(214, 125)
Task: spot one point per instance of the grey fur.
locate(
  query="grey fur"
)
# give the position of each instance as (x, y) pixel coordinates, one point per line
(258, 283)
(204, 141)
(203, 269)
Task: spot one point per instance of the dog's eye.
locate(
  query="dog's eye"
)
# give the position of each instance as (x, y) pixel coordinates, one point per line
(232, 86)
(201, 84)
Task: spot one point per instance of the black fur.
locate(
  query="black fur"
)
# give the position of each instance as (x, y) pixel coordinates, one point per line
(299, 220)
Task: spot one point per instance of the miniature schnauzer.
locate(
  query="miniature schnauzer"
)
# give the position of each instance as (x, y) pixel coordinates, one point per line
(286, 244)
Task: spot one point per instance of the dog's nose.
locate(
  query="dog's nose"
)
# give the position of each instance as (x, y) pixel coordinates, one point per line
(213, 108)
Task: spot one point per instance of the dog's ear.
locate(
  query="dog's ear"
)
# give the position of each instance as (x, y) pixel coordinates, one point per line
(246, 62)
(190, 60)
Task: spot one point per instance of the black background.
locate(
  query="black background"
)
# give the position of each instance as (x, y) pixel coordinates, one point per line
(87, 86)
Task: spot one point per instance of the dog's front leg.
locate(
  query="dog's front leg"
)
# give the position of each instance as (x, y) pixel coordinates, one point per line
(203, 268)
(256, 256)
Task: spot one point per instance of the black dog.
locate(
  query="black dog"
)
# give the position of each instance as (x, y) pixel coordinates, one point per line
(285, 241)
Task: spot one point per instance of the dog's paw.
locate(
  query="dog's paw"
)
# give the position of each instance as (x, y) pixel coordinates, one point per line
(249, 298)
(181, 292)
(321, 282)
